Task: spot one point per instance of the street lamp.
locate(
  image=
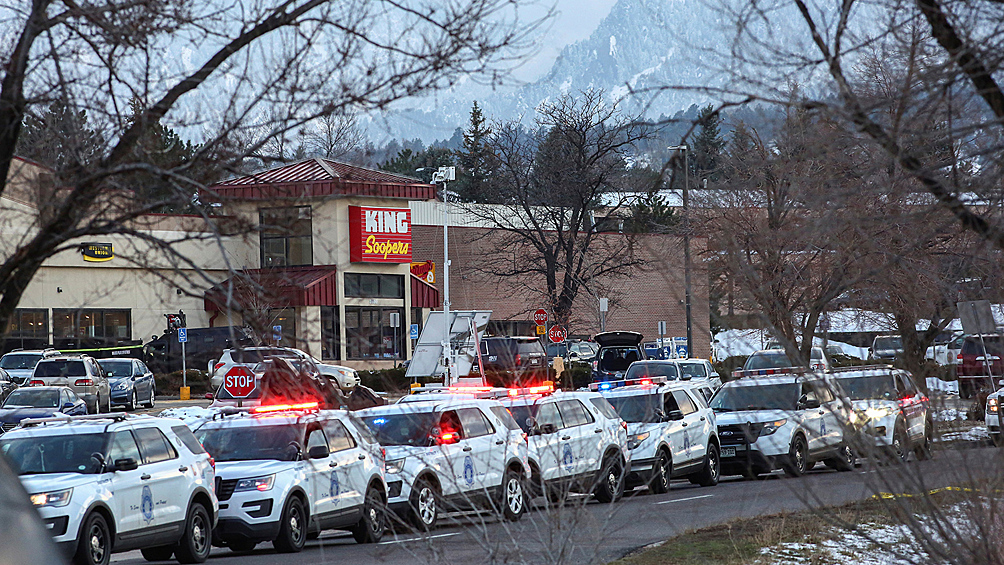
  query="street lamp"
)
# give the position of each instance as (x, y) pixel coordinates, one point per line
(686, 240)
(442, 175)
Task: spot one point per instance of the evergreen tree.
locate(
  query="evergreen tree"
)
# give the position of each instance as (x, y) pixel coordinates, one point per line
(476, 159)
(419, 164)
(160, 146)
(707, 146)
(60, 138)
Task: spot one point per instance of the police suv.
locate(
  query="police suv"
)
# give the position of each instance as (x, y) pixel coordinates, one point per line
(455, 452)
(576, 440)
(111, 483)
(671, 431)
(286, 472)
(993, 416)
(789, 420)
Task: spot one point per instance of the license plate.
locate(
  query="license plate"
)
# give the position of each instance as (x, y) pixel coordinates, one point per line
(728, 452)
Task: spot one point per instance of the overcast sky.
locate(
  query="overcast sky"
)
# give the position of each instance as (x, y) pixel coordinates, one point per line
(575, 20)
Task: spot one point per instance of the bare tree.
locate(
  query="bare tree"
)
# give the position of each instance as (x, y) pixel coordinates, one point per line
(334, 136)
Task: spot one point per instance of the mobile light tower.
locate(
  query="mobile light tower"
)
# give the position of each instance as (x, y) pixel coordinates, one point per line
(443, 175)
(686, 241)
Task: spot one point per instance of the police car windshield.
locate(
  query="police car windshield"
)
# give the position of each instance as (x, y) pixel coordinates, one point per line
(760, 397)
(413, 428)
(282, 442)
(19, 361)
(25, 398)
(865, 388)
(637, 408)
(54, 454)
(640, 370)
(118, 368)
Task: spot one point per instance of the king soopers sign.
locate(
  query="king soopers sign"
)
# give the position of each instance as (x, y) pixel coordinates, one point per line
(379, 235)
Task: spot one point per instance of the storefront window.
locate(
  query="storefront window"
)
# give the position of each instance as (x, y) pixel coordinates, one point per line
(286, 319)
(28, 328)
(358, 285)
(286, 237)
(79, 328)
(330, 341)
(369, 334)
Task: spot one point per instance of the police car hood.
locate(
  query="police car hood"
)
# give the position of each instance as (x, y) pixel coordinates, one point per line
(873, 403)
(398, 451)
(634, 428)
(751, 416)
(248, 469)
(55, 481)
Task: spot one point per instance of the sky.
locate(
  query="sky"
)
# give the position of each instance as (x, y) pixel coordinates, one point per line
(575, 20)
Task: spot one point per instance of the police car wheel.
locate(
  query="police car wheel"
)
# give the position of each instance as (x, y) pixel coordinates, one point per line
(798, 458)
(197, 541)
(292, 528)
(923, 451)
(661, 473)
(514, 496)
(161, 553)
(898, 451)
(708, 475)
(611, 480)
(424, 505)
(95, 545)
(371, 527)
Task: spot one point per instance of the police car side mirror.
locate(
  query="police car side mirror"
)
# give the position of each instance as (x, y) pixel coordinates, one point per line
(674, 415)
(686, 377)
(109, 374)
(66, 406)
(546, 429)
(318, 452)
(127, 464)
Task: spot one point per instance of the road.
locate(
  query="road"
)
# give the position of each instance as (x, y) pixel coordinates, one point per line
(582, 532)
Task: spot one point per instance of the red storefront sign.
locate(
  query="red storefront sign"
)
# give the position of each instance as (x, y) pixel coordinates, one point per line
(425, 270)
(379, 235)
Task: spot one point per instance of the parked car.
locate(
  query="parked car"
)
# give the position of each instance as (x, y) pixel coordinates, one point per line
(79, 372)
(513, 361)
(886, 347)
(130, 381)
(163, 353)
(345, 377)
(762, 362)
(616, 353)
(575, 351)
(980, 362)
(39, 402)
(19, 364)
(7, 385)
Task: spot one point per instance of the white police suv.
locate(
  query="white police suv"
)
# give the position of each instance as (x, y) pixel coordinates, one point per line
(993, 416)
(788, 420)
(451, 452)
(889, 409)
(671, 431)
(286, 472)
(111, 483)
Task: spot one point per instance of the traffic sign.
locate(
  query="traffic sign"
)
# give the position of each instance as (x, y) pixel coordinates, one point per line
(276, 333)
(541, 330)
(540, 316)
(413, 331)
(182, 335)
(557, 334)
(239, 382)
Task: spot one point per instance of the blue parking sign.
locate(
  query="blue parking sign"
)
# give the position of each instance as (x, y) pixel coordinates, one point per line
(182, 335)
(276, 333)
(413, 331)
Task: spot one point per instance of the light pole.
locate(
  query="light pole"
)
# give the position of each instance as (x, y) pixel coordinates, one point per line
(686, 241)
(442, 175)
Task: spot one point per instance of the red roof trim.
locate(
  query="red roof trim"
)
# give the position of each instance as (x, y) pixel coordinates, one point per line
(423, 294)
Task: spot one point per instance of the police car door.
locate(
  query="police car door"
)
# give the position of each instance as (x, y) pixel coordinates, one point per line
(548, 446)
(318, 472)
(811, 419)
(458, 469)
(165, 475)
(673, 427)
(832, 419)
(347, 477)
(695, 439)
(912, 406)
(576, 437)
(132, 498)
(486, 457)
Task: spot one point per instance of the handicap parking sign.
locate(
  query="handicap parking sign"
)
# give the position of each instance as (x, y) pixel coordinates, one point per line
(413, 331)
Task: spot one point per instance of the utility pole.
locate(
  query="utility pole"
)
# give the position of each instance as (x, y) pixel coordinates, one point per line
(686, 243)
(442, 175)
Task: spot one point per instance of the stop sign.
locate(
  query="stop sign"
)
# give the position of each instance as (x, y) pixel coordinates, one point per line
(540, 316)
(239, 382)
(557, 334)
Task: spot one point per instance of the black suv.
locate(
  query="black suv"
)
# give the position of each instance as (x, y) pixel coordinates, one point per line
(617, 351)
(509, 361)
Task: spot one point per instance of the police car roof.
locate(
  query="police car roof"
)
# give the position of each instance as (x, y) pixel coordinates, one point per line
(783, 378)
(448, 401)
(871, 371)
(634, 390)
(557, 395)
(90, 424)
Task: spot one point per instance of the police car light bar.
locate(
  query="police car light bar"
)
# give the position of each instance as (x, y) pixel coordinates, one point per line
(546, 388)
(67, 418)
(307, 406)
(767, 372)
(644, 381)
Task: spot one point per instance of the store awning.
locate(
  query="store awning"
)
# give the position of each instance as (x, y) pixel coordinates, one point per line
(423, 294)
(276, 288)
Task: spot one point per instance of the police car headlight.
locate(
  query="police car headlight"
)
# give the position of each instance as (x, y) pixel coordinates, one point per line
(771, 427)
(256, 483)
(635, 440)
(878, 413)
(54, 498)
(396, 465)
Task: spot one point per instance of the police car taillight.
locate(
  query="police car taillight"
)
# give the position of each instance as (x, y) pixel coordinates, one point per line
(212, 462)
(217, 366)
(285, 407)
(83, 382)
(36, 382)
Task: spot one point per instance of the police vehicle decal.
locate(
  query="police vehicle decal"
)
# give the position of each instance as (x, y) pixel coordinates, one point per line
(567, 458)
(146, 507)
(686, 442)
(469, 470)
(335, 487)
(822, 427)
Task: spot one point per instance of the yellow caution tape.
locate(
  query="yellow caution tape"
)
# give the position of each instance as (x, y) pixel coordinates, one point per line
(889, 495)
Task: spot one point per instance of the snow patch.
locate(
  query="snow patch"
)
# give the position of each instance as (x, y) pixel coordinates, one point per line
(950, 415)
(975, 433)
(947, 387)
(191, 415)
(613, 46)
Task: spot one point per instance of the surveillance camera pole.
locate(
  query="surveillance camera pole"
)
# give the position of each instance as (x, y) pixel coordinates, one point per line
(686, 242)
(442, 175)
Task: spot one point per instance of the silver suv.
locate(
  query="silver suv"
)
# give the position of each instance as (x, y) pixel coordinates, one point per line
(345, 377)
(79, 372)
(19, 364)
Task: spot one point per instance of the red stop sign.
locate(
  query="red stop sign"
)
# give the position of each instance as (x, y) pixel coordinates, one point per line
(239, 382)
(557, 334)
(540, 316)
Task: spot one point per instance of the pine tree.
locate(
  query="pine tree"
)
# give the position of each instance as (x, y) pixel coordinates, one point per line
(708, 145)
(476, 159)
(60, 138)
(162, 147)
